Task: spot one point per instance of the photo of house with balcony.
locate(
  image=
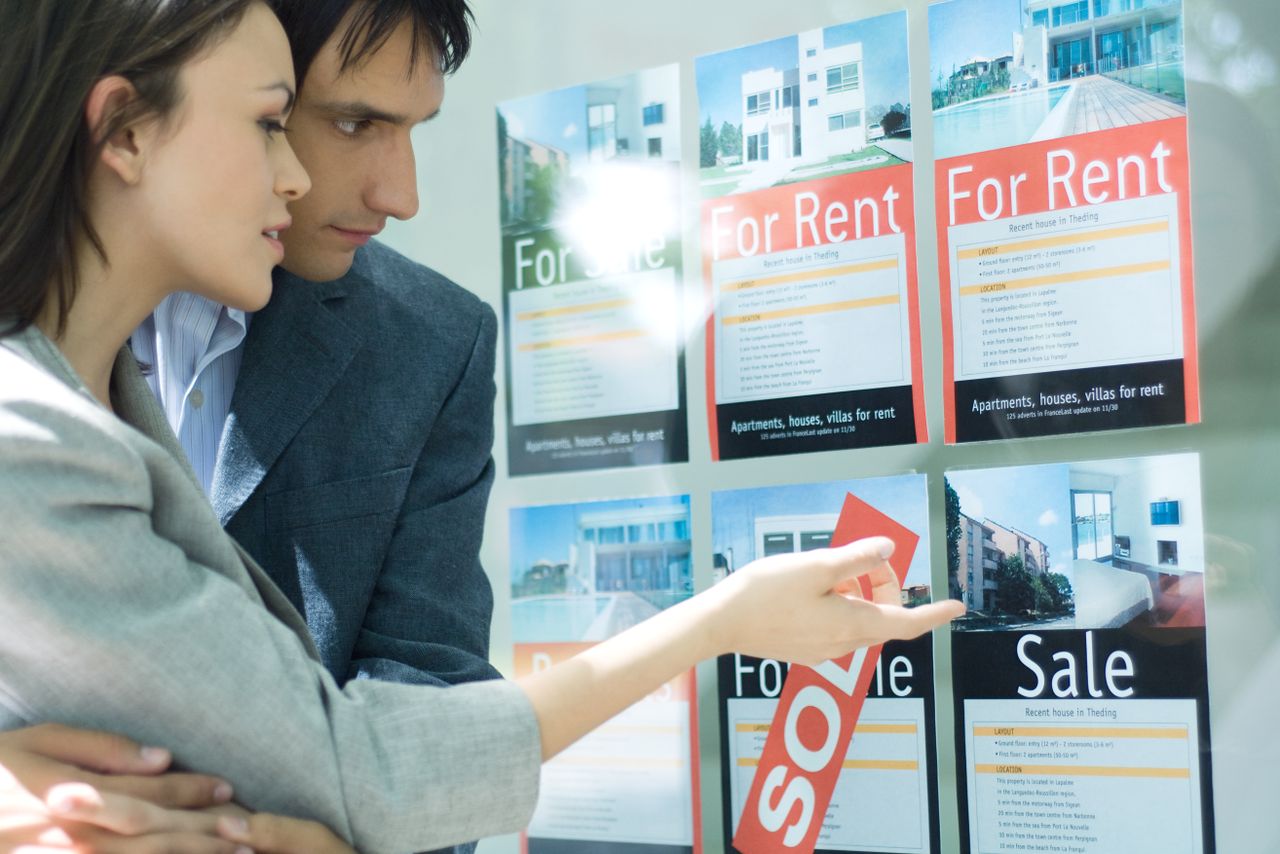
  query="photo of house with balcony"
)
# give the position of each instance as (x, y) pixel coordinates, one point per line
(584, 572)
(1008, 72)
(820, 103)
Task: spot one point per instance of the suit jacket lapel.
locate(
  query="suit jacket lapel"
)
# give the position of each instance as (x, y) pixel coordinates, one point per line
(294, 353)
(134, 403)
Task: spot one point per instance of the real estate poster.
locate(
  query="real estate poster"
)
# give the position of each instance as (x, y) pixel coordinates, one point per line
(885, 797)
(590, 207)
(808, 243)
(1063, 217)
(1081, 689)
(581, 573)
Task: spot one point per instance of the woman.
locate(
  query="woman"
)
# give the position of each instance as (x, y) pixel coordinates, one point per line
(144, 154)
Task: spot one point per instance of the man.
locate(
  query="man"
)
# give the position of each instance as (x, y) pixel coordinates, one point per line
(376, 542)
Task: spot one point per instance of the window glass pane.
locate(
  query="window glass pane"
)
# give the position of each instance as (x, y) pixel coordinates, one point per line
(777, 544)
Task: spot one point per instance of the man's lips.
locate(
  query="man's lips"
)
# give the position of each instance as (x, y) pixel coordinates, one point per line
(357, 237)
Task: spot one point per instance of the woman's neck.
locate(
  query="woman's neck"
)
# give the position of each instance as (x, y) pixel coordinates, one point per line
(110, 302)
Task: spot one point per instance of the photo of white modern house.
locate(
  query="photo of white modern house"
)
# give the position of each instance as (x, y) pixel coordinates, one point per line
(1008, 72)
(819, 103)
(749, 524)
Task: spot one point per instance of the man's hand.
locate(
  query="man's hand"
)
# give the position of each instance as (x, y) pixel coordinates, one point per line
(66, 789)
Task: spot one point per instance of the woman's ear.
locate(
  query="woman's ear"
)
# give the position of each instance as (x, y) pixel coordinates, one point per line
(123, 147)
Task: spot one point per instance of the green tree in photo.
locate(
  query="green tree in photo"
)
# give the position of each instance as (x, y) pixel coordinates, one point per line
(1017, 590)
(708, 144)
(953, 537)
(543, 185)
(730, 140)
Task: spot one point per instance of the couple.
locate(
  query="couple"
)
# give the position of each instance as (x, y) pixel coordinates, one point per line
(145, 155)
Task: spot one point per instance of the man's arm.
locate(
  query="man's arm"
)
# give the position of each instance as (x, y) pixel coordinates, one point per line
(428, 619)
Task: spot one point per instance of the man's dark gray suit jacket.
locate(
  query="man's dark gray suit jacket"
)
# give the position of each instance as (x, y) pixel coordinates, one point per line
(356, 465)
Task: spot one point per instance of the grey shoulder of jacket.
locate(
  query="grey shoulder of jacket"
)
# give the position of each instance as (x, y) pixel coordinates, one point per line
(415, 286)
(31, 394)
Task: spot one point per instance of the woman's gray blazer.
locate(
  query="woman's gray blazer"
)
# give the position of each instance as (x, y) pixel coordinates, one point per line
(125, 607)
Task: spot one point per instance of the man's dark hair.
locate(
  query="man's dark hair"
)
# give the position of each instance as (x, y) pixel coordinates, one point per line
(445, 25)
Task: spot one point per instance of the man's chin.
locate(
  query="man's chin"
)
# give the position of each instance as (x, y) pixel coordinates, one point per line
(318, 266)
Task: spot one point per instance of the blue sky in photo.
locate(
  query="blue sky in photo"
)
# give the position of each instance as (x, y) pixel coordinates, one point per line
(962, 29)
(557, 119)
(1033, 499)
(546, 532)
(902, 497)
(884, 62)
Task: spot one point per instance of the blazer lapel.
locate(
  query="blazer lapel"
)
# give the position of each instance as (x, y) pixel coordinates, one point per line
(294, 353)
(135, 404)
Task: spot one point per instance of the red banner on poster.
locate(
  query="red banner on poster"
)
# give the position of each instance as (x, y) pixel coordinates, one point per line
(816, 715)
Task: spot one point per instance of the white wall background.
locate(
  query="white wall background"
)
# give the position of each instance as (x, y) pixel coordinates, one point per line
(1233, 95)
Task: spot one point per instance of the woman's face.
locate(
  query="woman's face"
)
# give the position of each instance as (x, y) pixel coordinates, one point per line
(215, 184)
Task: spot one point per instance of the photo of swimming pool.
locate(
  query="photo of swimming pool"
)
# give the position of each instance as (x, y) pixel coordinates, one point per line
(997, 121)
(559, 618)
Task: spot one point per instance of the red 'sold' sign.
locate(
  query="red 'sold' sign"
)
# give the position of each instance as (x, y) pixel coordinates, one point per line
(811, 730)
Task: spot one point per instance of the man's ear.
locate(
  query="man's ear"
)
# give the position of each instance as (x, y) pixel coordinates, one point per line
(123, 147)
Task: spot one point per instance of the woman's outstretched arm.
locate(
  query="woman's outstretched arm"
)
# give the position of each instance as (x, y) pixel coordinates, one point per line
(786, 607)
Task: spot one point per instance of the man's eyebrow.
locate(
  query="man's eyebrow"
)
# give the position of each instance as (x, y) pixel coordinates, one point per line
(290, 95)
(361, 111)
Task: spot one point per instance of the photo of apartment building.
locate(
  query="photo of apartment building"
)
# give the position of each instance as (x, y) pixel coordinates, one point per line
(982, 545)
(548, 141)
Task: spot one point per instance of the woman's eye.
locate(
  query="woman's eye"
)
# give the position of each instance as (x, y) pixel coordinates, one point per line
(271, 126)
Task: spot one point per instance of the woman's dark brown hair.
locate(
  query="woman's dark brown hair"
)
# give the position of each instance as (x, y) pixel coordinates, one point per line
(52, 52)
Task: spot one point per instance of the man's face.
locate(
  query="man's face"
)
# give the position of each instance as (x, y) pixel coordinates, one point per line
(351, 133)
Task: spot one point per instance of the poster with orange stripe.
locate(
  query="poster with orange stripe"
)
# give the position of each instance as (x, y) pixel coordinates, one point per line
(591, 266)
(808, 243)
(885, 796)
(1063, 217)
(581, 573)
(1079, 671)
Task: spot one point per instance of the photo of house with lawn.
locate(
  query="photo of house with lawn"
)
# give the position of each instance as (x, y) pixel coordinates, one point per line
(1009, 72)
(820, 103)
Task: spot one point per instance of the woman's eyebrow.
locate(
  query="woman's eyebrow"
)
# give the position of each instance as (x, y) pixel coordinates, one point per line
(284, 87)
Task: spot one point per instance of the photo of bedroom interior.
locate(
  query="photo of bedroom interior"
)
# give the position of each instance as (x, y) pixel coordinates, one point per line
(1137, 535)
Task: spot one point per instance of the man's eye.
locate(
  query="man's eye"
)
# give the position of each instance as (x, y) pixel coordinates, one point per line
(350, 127)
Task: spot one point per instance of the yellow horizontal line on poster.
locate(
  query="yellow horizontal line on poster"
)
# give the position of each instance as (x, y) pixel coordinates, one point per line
(800, 311)
(583, 339)
(1064, 278)
(803, 275)
(1082, 732)
(618, 761)
(877, 729)
(604, 305)
(856, 764)
(1064, 239)
(1083, 771)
